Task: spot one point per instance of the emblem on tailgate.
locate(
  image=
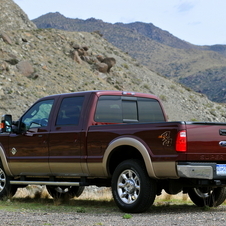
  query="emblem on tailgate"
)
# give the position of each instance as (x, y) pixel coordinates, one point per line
(166, 139)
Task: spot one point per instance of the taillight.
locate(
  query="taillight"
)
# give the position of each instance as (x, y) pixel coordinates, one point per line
(181, 142)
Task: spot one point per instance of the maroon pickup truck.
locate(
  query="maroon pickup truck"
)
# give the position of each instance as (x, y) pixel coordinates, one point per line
(115, 139)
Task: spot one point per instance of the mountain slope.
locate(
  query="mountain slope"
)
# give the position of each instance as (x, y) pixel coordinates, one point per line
(38, 62)
(158, 50)
(13, 17)
(48, 51)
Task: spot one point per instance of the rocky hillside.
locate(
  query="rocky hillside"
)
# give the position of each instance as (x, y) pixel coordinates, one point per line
(12, 17)
(39, 62)
(202, 68)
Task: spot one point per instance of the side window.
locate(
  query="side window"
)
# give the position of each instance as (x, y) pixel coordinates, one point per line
(109, 109)
(37, 115)
(150, 110)
(69, 112)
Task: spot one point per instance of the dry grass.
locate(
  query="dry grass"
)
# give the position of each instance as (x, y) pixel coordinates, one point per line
(90, 193)
(32, 191)
(94, 193)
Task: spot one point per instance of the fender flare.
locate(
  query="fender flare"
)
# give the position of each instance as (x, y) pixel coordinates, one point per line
(4, 162)
(134, 143)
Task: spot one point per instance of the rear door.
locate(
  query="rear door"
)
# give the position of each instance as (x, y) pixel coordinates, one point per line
(65, 136)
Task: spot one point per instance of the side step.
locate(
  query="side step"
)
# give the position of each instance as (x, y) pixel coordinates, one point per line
(54, 183)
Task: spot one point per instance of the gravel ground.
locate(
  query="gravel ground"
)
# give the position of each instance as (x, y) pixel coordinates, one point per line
(170, 216)
(161, 213)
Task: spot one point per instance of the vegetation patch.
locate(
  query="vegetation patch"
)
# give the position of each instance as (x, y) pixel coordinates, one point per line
(93, 200)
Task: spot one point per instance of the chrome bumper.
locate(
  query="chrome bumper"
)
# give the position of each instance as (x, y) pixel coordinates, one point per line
(196, 171)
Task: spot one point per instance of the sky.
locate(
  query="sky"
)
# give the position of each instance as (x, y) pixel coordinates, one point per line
(200, 22)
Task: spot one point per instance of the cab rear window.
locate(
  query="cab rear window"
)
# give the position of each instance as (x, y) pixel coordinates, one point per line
(120, 109)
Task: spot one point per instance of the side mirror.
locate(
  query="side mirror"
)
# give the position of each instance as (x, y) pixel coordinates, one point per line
(6, 123)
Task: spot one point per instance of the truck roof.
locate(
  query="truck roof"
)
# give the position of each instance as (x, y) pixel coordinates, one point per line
(109, 92)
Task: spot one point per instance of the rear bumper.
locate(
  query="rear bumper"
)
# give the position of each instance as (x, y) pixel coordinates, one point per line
(199, 170)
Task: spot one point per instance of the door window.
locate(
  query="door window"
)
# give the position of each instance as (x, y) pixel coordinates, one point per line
(69, 112)
(37, 115)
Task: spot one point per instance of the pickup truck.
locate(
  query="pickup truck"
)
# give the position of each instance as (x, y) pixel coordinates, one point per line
(113, 139)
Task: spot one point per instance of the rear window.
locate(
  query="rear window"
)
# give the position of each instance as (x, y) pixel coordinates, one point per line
(150, 110)
(120, 109)
(109, 109)
(69, 112)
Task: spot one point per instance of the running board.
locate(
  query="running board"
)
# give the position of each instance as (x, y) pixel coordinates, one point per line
(54, 183)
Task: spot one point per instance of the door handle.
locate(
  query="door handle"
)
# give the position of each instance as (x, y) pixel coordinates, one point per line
(222, 132)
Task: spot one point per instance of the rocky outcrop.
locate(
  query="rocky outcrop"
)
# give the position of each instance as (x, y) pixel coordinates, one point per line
(109, 61)
(102, 67)
(102, 64)
(25, 68)
(6, 38)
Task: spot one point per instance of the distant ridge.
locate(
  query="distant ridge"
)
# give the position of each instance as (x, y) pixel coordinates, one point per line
(201, 68)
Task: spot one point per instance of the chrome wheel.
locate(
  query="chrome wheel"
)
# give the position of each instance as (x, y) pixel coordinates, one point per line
(61, 192)
(202, 194)
(207, 196)
(133, 190)
(2, 180)
(128, 186)
(6, 189)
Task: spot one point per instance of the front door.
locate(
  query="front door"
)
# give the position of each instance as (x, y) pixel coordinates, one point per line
(28, 149)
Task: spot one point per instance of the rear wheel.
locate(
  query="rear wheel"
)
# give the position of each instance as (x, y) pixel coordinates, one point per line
(61, 192)
(133, 190)
(211, 197)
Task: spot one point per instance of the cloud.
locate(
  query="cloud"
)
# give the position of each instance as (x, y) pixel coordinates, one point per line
(184, 7)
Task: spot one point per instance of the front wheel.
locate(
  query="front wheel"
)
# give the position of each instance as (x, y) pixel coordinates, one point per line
(211, 197)
(61, 192)
(133, 190)
(6, 189)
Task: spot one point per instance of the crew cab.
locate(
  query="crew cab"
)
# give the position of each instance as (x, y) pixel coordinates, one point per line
(115, 139)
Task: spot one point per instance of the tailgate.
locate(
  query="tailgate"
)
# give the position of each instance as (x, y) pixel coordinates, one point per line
(206, 141)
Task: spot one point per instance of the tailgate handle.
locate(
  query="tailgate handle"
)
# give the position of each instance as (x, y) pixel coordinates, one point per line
(222, 132)
(222, 143)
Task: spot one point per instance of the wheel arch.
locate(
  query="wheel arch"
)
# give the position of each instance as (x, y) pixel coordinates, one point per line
(4, 162)
(126, 148)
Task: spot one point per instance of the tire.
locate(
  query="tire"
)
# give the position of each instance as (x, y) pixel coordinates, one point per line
(133, 190)
(210, 197)
(65, 191)
(6, 190)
